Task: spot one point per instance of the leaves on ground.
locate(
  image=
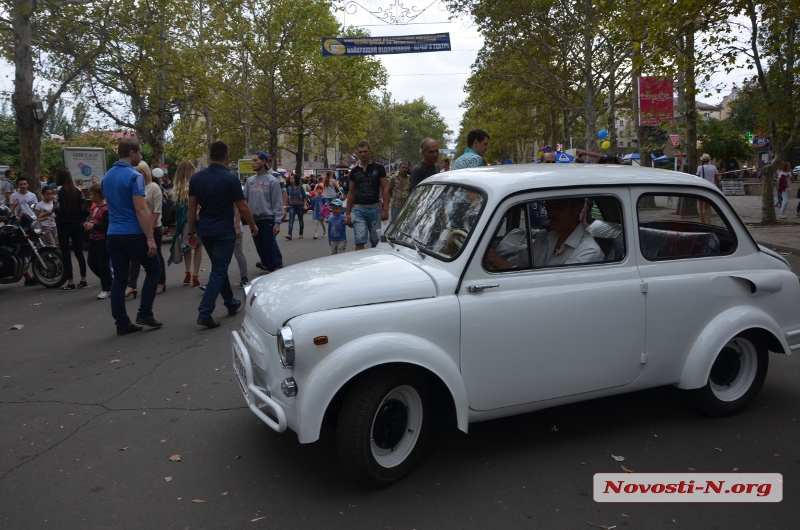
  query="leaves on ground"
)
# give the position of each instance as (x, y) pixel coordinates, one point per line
(197, 501)
(626, 470)
(168, 479)
(17, 326)
(115, 361)
(257, 519)
(123, 448)
(175, 458)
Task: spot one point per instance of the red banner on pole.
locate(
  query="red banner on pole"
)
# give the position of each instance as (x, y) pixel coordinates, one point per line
(655, 100)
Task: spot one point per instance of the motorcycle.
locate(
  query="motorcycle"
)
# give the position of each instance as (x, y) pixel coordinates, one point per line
(21, 249)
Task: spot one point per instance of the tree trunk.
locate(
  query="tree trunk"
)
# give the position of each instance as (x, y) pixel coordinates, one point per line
(299, 157)
(691, 103)
(29, 125)
(325, 160)
(209, 133)
(612, 109)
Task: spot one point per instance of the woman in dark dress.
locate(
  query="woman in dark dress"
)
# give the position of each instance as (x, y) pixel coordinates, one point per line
(70, 214)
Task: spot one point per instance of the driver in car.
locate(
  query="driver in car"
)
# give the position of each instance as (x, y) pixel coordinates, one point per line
(567, 243)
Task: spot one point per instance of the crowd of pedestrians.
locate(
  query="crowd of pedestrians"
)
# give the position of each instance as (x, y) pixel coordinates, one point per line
(122, 217)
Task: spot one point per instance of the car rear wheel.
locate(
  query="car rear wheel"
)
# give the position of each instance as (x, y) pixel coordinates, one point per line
(736, 377)
(383, 425)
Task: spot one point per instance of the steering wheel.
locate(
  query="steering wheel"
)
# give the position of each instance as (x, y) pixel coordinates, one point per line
(456, 239)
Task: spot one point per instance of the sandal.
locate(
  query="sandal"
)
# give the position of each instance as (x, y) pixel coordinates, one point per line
(288, 237)
(195, 281)
(188, 278)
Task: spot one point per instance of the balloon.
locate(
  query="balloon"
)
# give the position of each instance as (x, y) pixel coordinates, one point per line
(158, 173)
(602, 134)
(606, 144)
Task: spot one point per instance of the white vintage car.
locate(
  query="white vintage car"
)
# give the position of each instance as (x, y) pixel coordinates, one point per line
(503, 290)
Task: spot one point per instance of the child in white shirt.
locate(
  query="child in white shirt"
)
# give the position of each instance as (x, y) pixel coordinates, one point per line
(44, 212)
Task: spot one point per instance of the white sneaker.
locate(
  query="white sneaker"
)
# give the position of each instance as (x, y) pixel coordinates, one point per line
(103, 295)
(782, 216)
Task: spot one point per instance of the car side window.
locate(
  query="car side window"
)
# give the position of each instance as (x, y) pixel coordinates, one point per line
(557, 231)
(682, 226)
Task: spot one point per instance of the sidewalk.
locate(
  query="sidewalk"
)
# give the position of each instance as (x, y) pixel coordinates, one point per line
(784, 237)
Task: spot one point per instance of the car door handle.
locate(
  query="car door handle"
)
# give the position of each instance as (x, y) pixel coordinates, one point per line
(478, 288)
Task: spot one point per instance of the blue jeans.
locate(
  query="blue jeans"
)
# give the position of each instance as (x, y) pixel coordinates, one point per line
(121, 248)
(298, 211)
(366, 221)
(267, 245)
(394, 211)
(220, 252)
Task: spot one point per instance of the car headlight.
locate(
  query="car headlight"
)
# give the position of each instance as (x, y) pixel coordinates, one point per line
(286, 347)
(37, 228)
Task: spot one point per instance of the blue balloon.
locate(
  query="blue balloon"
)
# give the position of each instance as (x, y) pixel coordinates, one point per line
(602, 134)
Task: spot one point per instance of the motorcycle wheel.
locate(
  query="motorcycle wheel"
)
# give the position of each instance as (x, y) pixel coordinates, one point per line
(51, 272)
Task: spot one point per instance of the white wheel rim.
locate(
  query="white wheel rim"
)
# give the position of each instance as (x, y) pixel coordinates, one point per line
(746, 374)
(397, 454)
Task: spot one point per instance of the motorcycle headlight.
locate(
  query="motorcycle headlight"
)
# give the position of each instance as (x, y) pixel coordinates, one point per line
(37, 228)
(286, 347)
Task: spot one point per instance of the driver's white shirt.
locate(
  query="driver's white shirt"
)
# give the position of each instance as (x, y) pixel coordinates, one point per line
(579, 247)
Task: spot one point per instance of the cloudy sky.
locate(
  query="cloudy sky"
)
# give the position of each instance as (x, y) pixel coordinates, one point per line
(439, 77)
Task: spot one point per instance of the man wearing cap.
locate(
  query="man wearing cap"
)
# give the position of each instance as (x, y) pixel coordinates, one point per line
(709, 172)
(263, 194)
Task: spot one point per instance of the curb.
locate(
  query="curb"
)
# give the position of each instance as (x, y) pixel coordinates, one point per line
(779, 248)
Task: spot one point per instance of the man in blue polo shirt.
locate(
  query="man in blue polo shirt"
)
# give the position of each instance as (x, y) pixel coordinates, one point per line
(217, 191)
(130, 235)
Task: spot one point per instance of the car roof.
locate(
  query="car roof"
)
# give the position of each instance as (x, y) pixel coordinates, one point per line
(507, 179)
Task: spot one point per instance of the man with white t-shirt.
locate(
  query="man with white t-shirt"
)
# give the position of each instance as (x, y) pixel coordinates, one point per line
(22, 200)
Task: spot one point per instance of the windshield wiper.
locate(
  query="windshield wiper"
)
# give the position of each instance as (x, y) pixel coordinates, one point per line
(417, 244)
(389, 239)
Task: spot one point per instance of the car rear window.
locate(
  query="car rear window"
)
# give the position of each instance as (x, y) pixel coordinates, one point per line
(682, 226)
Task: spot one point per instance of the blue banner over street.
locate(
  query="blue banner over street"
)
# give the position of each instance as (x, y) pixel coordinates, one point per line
(438, 42)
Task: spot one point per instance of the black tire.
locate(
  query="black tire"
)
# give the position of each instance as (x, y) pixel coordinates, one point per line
(51, 274)
(383, 425)
(736, 377)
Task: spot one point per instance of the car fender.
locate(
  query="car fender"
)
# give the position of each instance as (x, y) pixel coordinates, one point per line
(347, 361)
(716, 334)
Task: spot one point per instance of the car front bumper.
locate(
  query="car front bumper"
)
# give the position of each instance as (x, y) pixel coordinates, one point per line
(258, 398)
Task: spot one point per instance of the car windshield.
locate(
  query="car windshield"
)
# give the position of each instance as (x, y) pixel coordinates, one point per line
(437, 219)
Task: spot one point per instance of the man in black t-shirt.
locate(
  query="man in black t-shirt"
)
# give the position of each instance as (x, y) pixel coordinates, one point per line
(368, 185)
(430, 155)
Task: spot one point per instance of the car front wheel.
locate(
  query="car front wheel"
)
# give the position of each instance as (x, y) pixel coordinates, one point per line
(735, 378)
(383, 425)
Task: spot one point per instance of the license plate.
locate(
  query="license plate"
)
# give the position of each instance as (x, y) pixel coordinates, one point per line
(238, 369)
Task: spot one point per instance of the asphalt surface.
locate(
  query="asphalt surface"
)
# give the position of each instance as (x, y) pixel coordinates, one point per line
(90, 421)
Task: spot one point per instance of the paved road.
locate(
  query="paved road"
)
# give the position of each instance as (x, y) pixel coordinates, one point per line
(89, 421)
